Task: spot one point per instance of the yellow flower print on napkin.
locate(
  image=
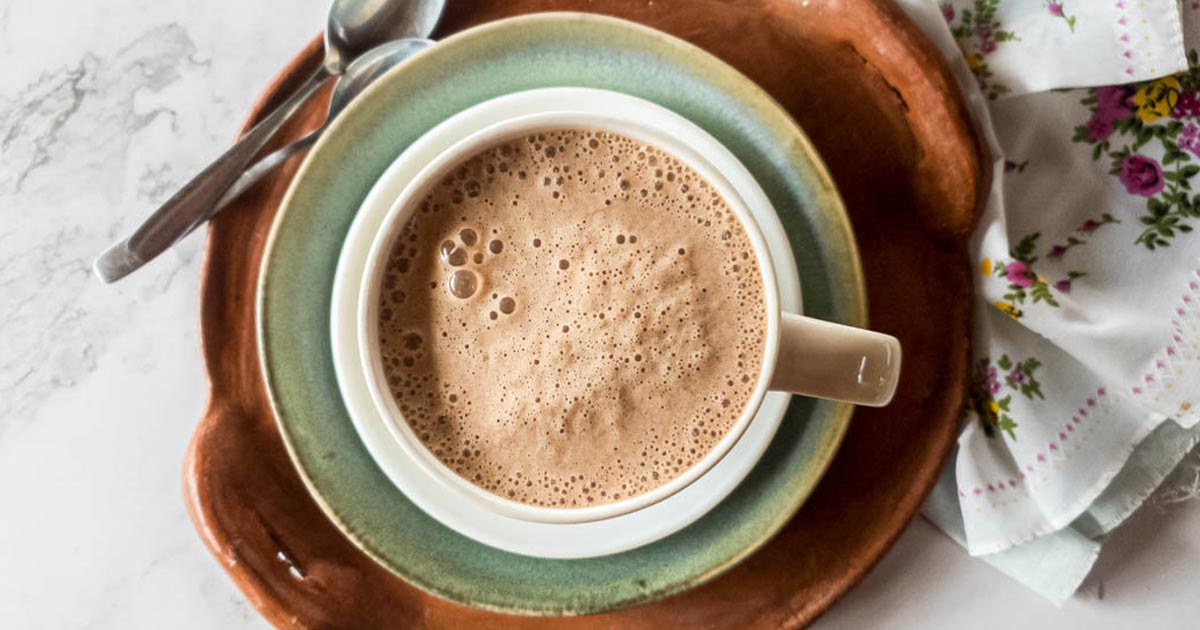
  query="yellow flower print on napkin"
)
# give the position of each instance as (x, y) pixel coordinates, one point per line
(1157, 98)
(986, 266)
(1008, 309)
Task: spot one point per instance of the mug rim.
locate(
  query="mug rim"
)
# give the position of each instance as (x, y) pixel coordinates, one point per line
(641, 130)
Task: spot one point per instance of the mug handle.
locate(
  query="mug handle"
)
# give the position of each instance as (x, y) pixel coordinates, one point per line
(826, 360)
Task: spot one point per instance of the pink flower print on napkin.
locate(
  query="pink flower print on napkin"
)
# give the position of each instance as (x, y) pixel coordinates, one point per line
(1188, 106)
(1089, 226)
(1018, 377)
(1141, 175)
(948, 11)
(1018, 273)
(1063, 286)
(986, 379)
(993, 381)
(1112, 103)
(1189, 139)
(1057, 252)
(1056, 9)
(987, 41)
(1099, 128)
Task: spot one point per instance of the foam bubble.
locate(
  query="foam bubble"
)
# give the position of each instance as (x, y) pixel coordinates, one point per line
(462, 283)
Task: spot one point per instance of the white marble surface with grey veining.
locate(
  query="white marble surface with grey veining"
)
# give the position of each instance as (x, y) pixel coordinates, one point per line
(105, 108)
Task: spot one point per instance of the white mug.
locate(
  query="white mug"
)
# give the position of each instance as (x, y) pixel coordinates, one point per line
(802, 355)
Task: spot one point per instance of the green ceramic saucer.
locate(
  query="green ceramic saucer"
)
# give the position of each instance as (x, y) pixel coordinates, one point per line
(296, 282)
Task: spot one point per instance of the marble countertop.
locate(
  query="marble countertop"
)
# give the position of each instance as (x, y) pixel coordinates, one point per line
(105, 108)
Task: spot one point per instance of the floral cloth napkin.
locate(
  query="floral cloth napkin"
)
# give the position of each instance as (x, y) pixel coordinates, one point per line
(1086, 372)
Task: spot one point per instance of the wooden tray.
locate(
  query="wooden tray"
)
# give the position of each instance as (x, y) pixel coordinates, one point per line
(883, 111)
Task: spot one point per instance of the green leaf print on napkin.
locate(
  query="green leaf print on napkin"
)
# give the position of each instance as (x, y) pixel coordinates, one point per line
(978, 33)
(1024, 285)
(1027, 286)
(993, 412)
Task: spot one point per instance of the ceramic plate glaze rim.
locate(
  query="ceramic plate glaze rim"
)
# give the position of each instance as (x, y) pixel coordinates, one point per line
(653, 522)
(849, 306)
(641, 130)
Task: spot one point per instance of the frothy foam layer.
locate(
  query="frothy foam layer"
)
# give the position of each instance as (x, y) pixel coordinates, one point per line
(572, 318)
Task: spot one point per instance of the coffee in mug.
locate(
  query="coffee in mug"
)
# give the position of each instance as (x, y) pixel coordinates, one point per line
(571, 317)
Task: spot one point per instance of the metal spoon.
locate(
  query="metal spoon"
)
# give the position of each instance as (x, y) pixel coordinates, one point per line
(359, 74)
(353, 27)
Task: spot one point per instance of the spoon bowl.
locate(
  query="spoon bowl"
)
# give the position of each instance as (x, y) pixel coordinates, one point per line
(355, 26)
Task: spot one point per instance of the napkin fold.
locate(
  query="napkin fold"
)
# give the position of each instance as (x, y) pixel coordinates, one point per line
(1087, 318)
(1020, 46)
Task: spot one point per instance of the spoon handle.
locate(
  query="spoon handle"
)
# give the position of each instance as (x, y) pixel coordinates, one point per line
(268, 163)
(197, 200)
(257, 171)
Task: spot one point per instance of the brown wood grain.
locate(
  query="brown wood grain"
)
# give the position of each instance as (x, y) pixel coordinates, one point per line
(882, 110)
